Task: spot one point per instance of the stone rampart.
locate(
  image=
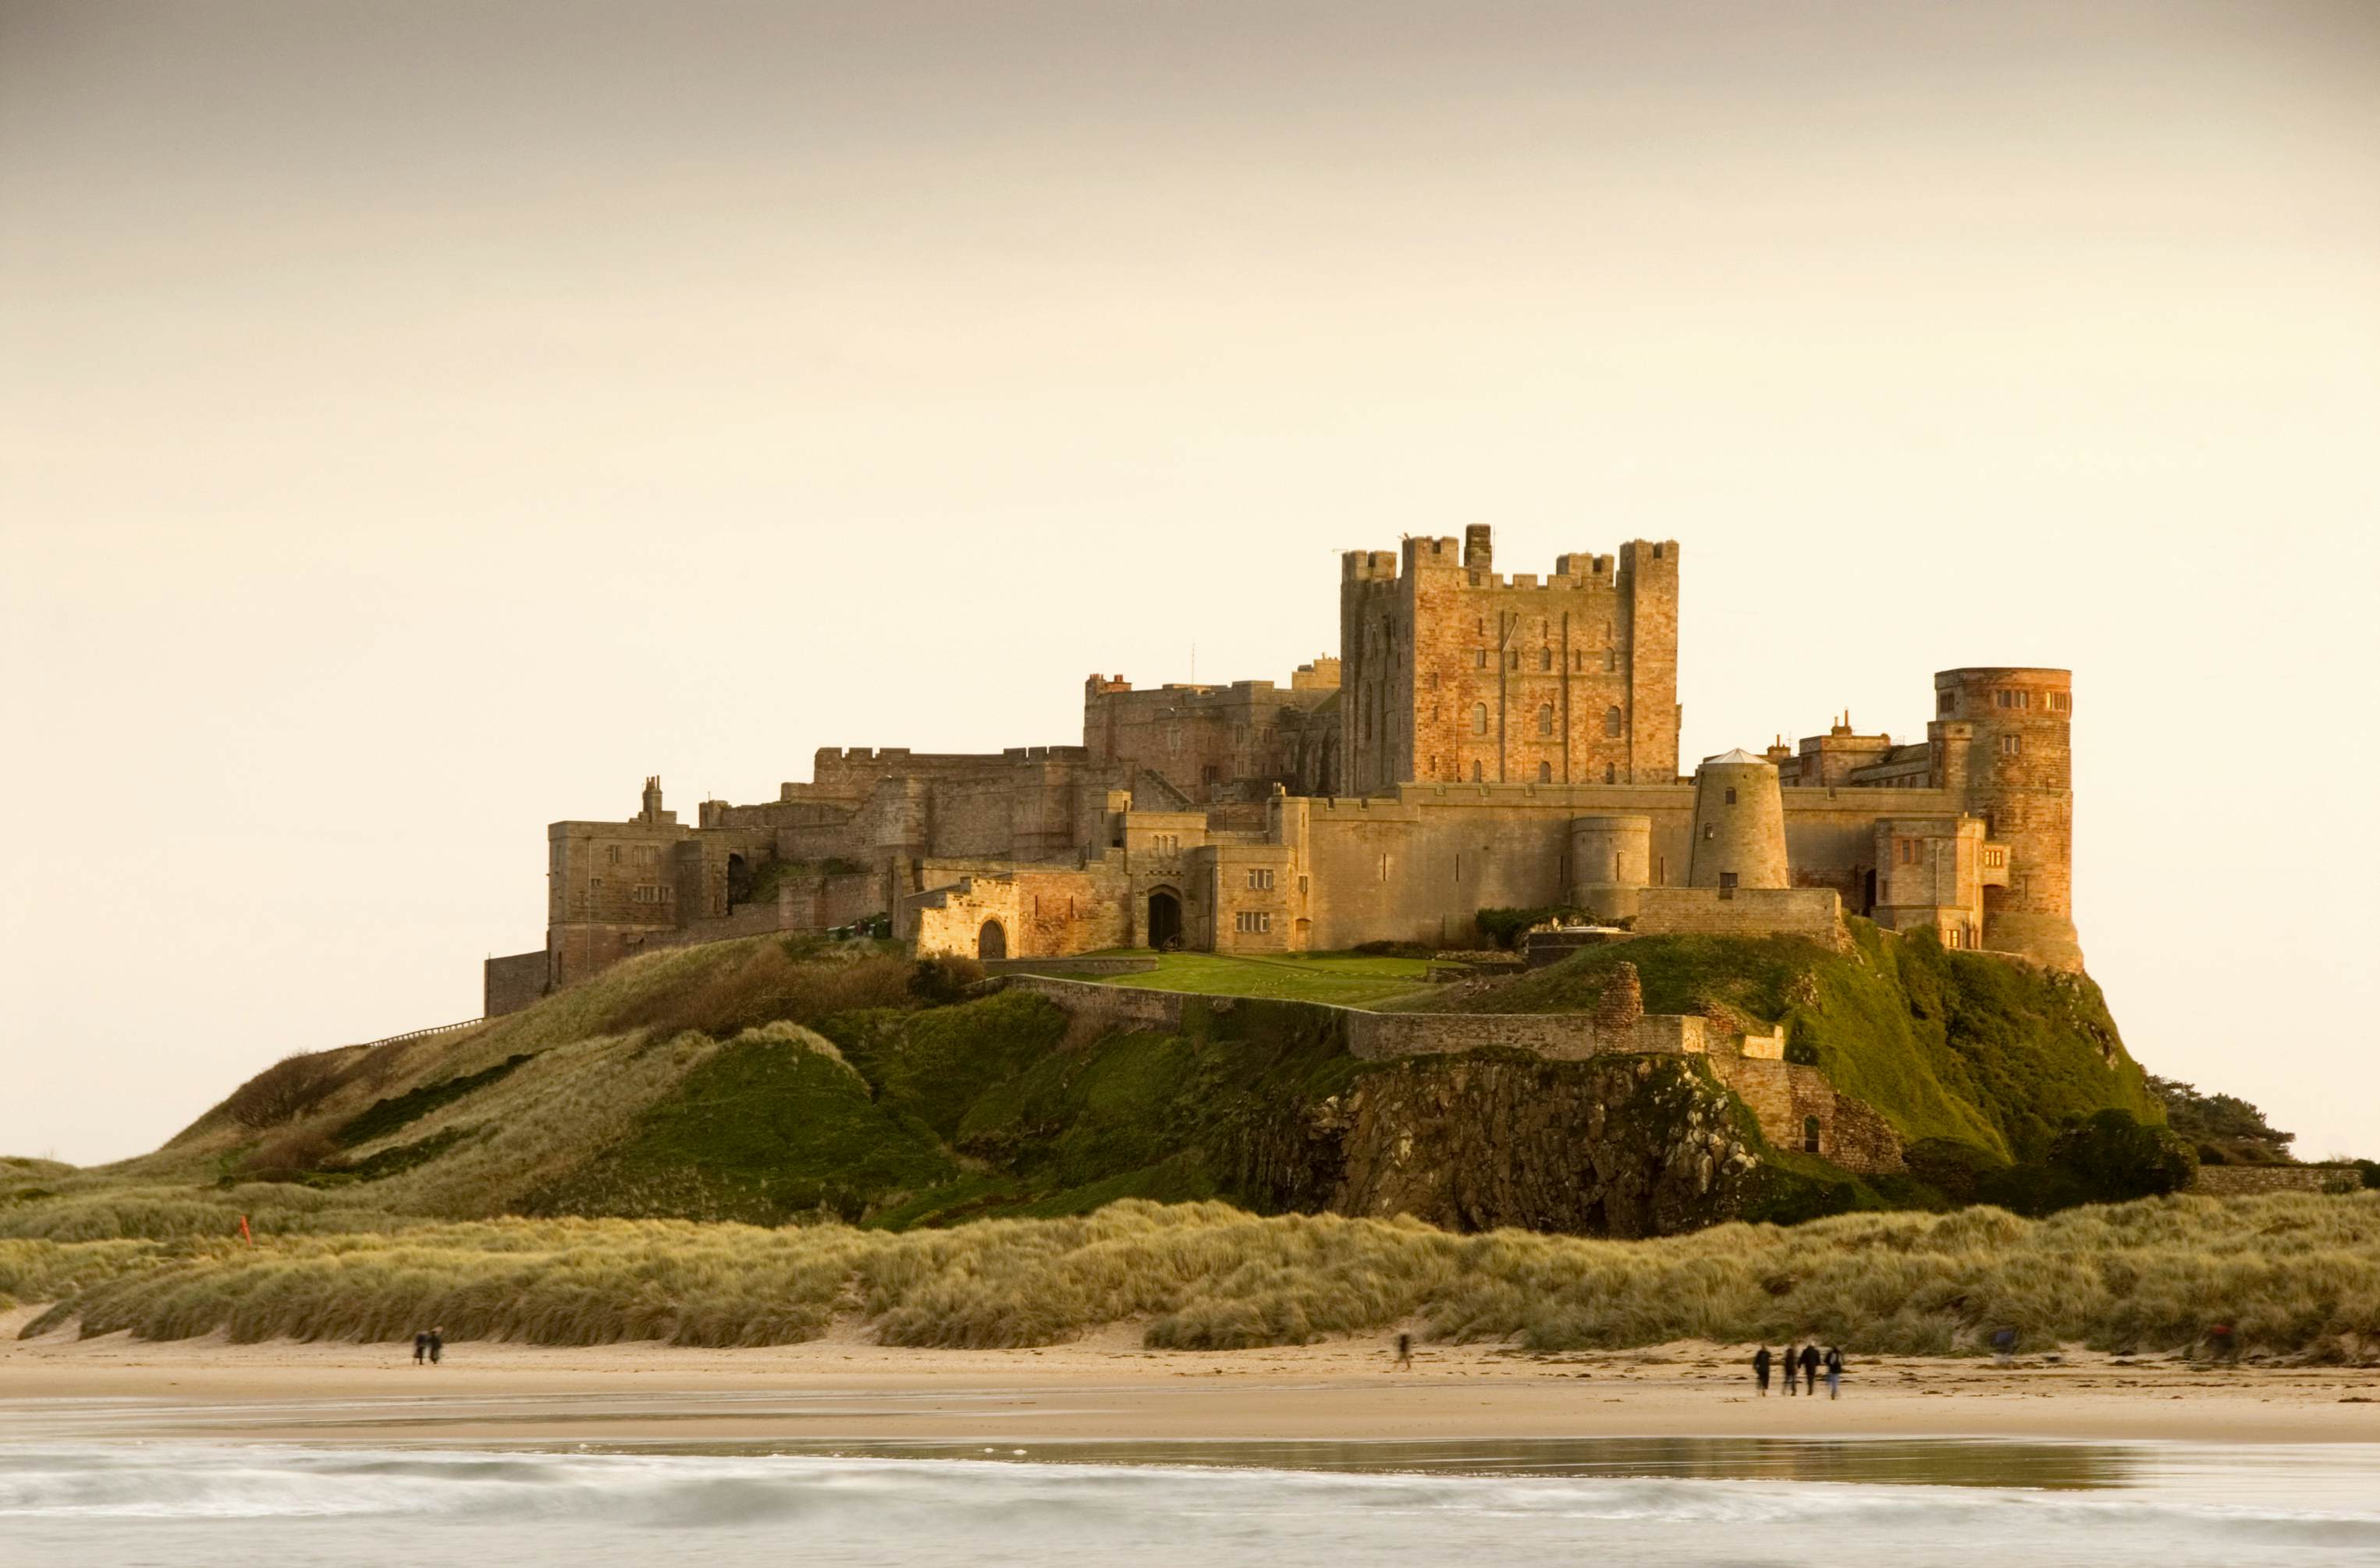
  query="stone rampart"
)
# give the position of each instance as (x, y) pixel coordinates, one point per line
(1744, 911)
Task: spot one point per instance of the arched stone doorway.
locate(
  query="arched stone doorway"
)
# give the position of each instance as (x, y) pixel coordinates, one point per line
(739, 880)
(992, 942)
(1164, 920)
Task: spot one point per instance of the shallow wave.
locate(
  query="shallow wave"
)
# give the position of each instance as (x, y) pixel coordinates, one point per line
(969, 1499)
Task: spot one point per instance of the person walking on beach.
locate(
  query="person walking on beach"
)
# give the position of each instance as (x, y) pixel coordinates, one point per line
(2003, 1345)
(437, 1344)
(421, 1345)
(1760, 1370)
(1404, 1352)
(1834, 1372)
(1809, 1369)
(1791, 1353)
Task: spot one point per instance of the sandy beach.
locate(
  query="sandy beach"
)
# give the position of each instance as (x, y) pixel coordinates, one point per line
(1109, 1387)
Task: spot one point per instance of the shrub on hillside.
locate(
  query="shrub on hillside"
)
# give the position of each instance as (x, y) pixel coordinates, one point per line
(1953, 1168)
(939, 979)
(2226, 1130)
(291, 1155)
(2105, 1158)
(286, 1090)
(767, 984)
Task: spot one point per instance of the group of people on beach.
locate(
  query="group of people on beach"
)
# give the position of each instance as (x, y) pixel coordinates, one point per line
(1808, 1361)
(429, 1345)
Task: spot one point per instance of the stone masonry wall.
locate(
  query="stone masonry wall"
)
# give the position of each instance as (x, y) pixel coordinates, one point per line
(1754, 912)
(2233, 1181)
(1785, 1096)
(512, 981)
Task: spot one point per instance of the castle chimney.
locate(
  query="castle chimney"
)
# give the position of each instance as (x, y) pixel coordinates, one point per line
(653, 799)
(1478, 554)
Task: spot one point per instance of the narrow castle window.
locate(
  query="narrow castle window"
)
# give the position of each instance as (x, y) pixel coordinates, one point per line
(2057, 702)
(1545, 719)
(1479, 659)
(1610, 658)
(1947, 703)
(1544, 772)
(1479, 719)
(1612, 723)
(1730, 797)
(1611, 773)
(2012, 745)
(1477, 774)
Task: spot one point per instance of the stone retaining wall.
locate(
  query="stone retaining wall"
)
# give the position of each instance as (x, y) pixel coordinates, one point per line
(1127, 1006)
(1069, 966)
(2232, 1181)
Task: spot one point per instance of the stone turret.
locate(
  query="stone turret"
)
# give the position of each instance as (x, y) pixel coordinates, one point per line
(1739, 832)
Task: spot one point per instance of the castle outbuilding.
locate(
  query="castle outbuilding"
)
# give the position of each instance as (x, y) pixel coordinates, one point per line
(1480, 742)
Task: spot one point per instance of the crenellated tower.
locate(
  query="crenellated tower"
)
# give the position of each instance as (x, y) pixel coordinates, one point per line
(1452, 671)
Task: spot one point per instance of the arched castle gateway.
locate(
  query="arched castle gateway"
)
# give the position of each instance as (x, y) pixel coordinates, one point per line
(1479, 740)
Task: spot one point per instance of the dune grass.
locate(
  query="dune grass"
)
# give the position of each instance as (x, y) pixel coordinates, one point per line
(2292, 1274)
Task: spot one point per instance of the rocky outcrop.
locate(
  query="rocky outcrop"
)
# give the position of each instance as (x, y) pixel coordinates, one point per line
(1620, 1146)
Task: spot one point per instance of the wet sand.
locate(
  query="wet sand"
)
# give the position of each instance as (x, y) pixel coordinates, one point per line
(1109, 1387)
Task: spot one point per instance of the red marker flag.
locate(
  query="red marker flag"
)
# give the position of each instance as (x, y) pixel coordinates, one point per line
(245, 1234)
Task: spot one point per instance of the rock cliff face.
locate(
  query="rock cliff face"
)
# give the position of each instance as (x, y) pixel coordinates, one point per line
(1621, 1146)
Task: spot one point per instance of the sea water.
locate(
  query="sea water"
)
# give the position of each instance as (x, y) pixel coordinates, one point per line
(1860, 1503)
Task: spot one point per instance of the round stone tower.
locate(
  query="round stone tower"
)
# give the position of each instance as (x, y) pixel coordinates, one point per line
(1611, 860)
(1739, 824)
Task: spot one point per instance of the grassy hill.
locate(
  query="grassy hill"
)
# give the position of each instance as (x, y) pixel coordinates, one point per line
(1955, 1046)
(764, 1081)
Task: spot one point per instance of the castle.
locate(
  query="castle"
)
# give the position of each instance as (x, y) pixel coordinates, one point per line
(1479, 742)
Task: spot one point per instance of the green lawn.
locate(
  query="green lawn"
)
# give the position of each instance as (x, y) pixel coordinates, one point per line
(1344, 978)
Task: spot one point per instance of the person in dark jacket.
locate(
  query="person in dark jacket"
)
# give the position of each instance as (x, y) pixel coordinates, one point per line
(1809, 1369)
(437, 1344)
(1834, 1365)
(421, 1345)
(1790, 1354)
(1760, 1370)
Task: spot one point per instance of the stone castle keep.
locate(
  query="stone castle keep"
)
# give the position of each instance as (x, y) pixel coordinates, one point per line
(1481, 741)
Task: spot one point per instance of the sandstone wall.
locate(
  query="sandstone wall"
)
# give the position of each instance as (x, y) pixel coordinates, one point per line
(512, 981)
(1786, 1096)
(2231, 1181)
(1815, 913)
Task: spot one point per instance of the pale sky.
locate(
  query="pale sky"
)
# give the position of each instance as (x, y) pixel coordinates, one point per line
(419, 422)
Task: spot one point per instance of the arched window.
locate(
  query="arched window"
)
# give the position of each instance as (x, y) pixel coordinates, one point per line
(1478, 774)
(1545, 719)
(1479, 717)
(1611, 773)
(1611, 659)
(1611, 721)
(1545, 658)
(1544, 772)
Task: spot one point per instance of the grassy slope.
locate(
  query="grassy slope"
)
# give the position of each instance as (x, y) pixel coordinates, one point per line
(663, 1087)
(1945, 1044)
